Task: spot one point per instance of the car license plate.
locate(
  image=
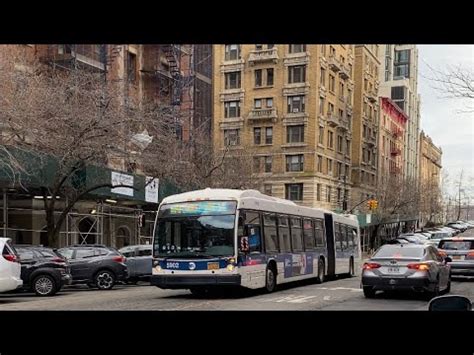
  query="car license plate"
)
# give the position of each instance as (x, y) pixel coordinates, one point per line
(457, 257)
(393, 270)
(212, 266)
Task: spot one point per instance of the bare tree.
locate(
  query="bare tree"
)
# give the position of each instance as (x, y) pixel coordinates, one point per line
(66, 120)
(430, 201)
(398, 199)
(455, 82)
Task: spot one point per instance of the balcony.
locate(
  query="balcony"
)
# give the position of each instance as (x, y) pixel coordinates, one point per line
(344, 124)
(371, 96)
(344, 73)
(332, 120)
(263, 56)
(397, 133)
(348, 103)
(263, 114)
(334, 64)
(371, 141)
(395, 151)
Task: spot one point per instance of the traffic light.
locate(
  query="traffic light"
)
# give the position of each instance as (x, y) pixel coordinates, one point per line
(369, 204)
(374, 204)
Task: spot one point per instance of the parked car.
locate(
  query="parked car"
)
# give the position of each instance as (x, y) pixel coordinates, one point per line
(461, 251)
(413, 267)
(43, 270)
(95, 265)
(411, 238)
(398, 241)
(457, 226)
(139, 261)
(10, 268)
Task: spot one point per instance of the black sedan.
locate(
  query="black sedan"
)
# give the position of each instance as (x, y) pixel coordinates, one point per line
(416, 267)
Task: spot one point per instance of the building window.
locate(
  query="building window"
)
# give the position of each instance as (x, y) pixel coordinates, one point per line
(341, 89)
(297, 48)
(269, 102)
(257, 135)
(267, 189)
(348, 146)
(231, 109)
(318, 192)
(232, 80)
(294, 162)
(322, 79)
(259, 47)
(332, 83)
(269, 76)
(339, 144)
(297, 74)
(270, 46)
(231, 137)
(339, 169)
(321, 135)
(268, 164)
(296, 104)
(341, 113)
(268, 135)
(321, 105)
(328, 193)
(295, 134)
(258, 78)
(132, 67)
(294, 192)
(330, 108)
(257, 104)
(330, 139)
(320, 164)
(232, 52)
(338, 194)
(329, 162)
(256, 164)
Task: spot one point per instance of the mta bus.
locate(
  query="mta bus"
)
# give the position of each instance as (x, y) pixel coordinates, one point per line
(223, 237)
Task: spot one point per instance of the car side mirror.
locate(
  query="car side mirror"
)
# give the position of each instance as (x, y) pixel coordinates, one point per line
(450, 303)
(447, 259)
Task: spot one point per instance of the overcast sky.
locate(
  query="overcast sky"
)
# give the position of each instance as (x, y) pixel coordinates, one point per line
(453, 131)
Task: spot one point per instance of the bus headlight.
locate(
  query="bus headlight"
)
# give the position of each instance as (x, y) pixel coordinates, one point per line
(230, 267)
(158, 268)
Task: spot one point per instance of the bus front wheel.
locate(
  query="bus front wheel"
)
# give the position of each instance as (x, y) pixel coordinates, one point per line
(270, 279)
(321, 272)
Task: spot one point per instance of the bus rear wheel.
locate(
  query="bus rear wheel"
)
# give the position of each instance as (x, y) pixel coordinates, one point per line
(270, 279)
(320, 278)
(351, 268)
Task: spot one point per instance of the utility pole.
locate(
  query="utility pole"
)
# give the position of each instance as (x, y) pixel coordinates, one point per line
(344, 201)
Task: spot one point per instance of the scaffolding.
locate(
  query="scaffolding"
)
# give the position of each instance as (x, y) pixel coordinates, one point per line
(90, 222)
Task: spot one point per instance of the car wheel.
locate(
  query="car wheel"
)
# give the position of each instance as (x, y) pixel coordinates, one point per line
(369, 291)
(105, 280)
(448, 287)
(321, 272)
(44, 285)
(270, 279)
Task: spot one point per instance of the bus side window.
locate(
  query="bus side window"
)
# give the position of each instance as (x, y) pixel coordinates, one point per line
(253, 230)
(355, 238)
(308, 234)
(320, 239)
(345, 236)
(338, 237)
(350, 237)
(284, 233)
(270, 233)
(296, 235)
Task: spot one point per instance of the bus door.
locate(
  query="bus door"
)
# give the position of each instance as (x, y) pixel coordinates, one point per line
(328, 222)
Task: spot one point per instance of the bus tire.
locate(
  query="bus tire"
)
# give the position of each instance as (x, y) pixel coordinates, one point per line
(321, 272)
(270, 278)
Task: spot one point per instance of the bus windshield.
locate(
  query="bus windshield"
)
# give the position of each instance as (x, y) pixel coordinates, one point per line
(195, 230)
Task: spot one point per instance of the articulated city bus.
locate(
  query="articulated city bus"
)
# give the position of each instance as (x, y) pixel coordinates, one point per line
(223, 237)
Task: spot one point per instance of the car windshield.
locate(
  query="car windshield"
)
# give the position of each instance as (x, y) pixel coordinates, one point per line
(398, 252)
(455, 245)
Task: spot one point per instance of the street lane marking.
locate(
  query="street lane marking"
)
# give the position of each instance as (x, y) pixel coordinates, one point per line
(326, 298)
